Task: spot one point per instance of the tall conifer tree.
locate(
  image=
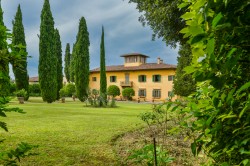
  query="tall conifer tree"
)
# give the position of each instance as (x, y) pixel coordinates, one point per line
(82, 61)
(20, 72)
(67, 58)
(47, 68)
(58, 53)
(4, 62)
(103, 79)
(72, 64)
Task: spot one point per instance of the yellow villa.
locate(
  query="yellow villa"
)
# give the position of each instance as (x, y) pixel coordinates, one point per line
(150, 81)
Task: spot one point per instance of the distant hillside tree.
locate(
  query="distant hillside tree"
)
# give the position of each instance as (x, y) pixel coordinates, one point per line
(72, 64)
(81, 61)
(184, 84)
(103, 79)
(47, 68)
(4, 59)
(58, 53)
(67, 62)
(18, 37)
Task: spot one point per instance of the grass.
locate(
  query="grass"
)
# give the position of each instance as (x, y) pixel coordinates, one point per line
(70, 133)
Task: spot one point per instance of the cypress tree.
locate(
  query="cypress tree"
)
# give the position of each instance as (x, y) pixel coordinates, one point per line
(4, 59)
(184, 84)
(20, 70)
(82, 61)
(72, 64)
(47, 68)
(58, 53)
(103, 79)
(67, 62)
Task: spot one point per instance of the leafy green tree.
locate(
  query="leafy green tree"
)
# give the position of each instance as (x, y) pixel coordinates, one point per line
(128, 93)
(58, 53)
(103, 78)
(114, 90)
(70, 89)
(82, 61)
(4, 59)
(219, 110)
(67, 58)
(47, 68)
(35, 90)
(184, 84)
(72, 64)
(18, 37)
(164, 19)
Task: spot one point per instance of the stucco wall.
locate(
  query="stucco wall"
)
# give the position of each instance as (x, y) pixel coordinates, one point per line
(149, 85)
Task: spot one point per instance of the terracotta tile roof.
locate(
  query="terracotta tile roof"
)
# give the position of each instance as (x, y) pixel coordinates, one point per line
(147, 66)
(134, 54)
(33, 79)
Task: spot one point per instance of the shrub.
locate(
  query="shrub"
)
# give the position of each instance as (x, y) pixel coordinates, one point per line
(12, 88)
(63, 92)
(70, 89)
(128, 93)
(35, 89)
(114, 90)
(21, 93)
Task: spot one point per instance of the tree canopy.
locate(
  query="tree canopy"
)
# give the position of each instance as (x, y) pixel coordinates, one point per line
(81, 60)
(67, 59)
(18, 37)
(103, 78)
(163, 17)
(58, 54)
(47, 68)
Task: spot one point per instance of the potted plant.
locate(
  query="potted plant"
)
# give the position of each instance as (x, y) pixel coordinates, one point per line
(20, 95)
(62, 94)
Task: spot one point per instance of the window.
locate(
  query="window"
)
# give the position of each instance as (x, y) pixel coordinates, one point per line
(170, 94)
(157, 93)
(156, 78)
(142, 78)
(112, 78)
(142, 93)
(93, 78)
(170, 77)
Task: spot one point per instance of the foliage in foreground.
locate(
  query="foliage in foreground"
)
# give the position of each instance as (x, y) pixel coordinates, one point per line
(218, 113)
(145, 155)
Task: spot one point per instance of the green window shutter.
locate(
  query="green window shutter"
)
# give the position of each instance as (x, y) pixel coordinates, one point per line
(153, 78)
(159, 78)
(145, 78)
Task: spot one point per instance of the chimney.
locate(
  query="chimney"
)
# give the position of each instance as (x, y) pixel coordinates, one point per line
(159, 60)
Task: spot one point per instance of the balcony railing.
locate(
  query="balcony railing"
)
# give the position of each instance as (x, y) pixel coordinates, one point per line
(126, 83)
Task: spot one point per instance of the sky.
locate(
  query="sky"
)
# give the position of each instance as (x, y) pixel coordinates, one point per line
(123, 32)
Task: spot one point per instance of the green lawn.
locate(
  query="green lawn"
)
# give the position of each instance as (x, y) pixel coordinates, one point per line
(70, 133)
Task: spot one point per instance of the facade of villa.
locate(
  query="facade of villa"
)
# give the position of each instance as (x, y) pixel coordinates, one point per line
(150, 81)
